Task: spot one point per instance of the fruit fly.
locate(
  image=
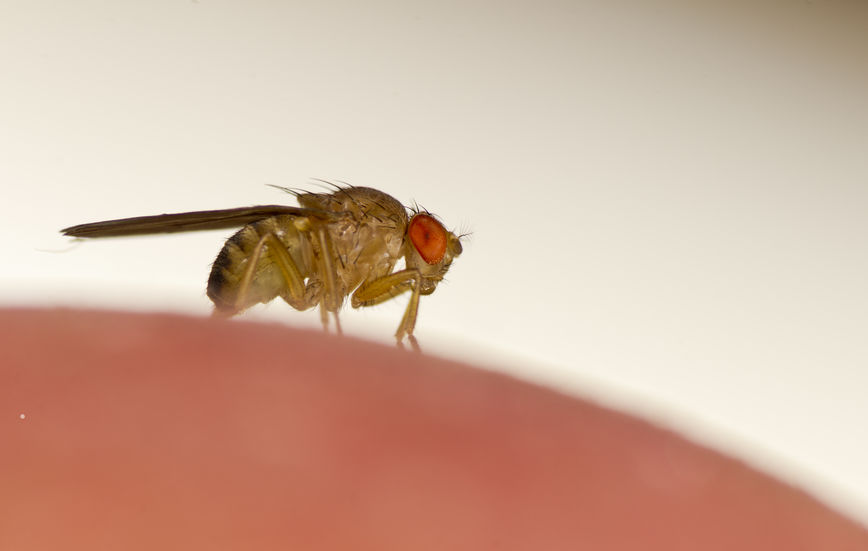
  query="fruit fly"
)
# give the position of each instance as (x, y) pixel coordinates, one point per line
(334, 245)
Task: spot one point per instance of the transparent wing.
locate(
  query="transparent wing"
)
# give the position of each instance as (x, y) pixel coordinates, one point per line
(189, 221)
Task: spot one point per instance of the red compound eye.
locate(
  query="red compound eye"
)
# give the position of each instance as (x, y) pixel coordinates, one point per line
(429, 237)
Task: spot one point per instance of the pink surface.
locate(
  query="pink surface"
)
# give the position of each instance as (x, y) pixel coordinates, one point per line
(164, 432)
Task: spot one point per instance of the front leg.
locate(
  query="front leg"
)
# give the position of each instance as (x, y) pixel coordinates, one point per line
(388, 287)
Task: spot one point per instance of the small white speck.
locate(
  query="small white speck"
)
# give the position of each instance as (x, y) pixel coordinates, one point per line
(21, 416)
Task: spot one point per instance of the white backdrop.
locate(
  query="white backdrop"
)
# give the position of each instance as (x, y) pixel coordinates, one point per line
(667, 199)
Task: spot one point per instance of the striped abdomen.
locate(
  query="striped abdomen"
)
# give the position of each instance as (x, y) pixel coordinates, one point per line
(268, 282)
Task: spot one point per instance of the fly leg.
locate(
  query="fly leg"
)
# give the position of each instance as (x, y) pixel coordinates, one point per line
(387, 287)
(408, 321)
(414, 344)
(330, 298)
(270, 244)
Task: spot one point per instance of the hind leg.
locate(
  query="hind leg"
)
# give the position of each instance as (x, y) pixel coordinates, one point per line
(270, 245)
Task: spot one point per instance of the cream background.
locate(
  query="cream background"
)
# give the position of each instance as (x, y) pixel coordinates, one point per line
(668, 199)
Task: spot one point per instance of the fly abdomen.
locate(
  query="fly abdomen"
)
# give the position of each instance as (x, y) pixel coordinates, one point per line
(267, 281)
